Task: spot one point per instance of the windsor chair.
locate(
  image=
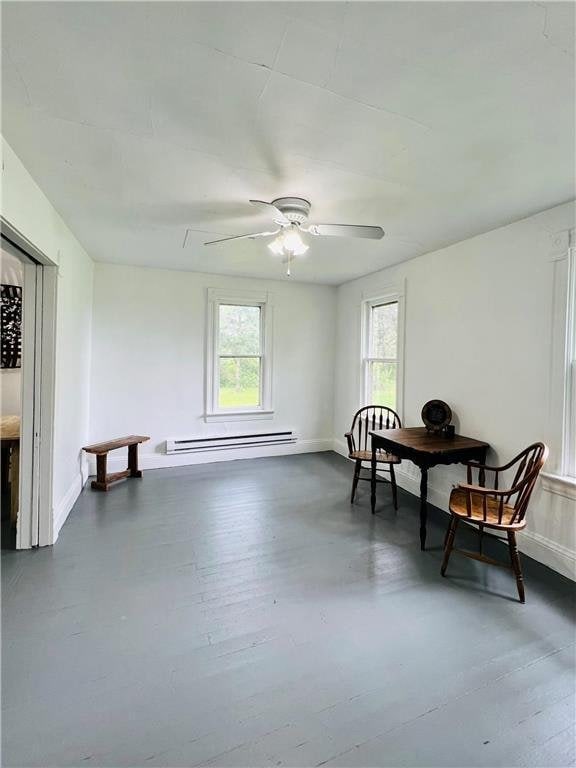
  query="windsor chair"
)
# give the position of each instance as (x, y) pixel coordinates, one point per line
(365, 420)
(501, 510)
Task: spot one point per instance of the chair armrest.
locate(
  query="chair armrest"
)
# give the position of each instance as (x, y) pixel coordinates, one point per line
(477, 465)
(469, 488)
(350, 439)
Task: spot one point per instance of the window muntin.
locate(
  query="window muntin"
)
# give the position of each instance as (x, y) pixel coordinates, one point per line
(384, 330)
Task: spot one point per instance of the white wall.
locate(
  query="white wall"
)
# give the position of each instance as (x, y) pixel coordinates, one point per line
(28, 210)
(11, 273)
(148, 360)
(478, 335)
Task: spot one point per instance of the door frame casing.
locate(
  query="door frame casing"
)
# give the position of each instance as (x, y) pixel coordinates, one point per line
(35, 527)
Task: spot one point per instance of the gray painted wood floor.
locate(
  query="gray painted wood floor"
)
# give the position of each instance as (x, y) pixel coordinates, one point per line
(244, 614)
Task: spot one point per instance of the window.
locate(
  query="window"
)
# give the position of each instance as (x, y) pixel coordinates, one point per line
(559, 476)
(569, 448)
(382, 374)
(238, 369)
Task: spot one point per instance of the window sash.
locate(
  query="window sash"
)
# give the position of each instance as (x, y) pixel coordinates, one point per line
(570, 443)
(235, 408)
(260, 306)
(370, 337)
(371, 385)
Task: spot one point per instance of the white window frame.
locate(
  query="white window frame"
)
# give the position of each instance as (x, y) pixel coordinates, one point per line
(560, 474)
(569, 421)
(390, 295)
(216, 298)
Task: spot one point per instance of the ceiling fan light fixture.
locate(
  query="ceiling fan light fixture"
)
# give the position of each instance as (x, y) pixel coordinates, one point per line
(277, 246)
(289, 242)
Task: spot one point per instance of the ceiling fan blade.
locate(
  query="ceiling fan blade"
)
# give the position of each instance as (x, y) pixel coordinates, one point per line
(243, 237)
(271, 210)
(346, 230)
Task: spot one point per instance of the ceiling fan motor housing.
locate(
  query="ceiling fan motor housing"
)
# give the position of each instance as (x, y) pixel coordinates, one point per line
(296, 209)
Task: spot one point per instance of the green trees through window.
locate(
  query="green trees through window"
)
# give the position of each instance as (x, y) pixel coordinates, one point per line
(382, 362)
(240, 356)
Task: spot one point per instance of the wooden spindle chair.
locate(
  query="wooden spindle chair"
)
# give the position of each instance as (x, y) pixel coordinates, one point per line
(490, 507)
(366, 420)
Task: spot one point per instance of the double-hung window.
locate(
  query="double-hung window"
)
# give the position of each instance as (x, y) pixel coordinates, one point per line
(382, 352)
(559, 474)
(569, 436)
(238, 380)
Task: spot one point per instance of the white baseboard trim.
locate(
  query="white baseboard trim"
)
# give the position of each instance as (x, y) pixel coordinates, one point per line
(339, 446)
(84, 470)
(64, 506)
(544, 550)
(554, 555)
(163, 460)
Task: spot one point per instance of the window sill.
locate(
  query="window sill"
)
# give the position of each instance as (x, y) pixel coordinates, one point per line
(221, 416)
(562, 486)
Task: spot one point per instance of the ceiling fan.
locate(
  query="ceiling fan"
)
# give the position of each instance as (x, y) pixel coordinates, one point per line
(290, 214)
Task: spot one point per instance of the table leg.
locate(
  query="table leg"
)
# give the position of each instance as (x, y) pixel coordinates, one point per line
(373, 479)
(423, 506)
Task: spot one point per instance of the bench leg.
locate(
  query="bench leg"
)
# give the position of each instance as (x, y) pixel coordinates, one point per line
(133, 461)
(100, 483)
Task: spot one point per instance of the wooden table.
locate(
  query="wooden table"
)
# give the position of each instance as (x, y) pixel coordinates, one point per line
(10, 439)
(426, 450)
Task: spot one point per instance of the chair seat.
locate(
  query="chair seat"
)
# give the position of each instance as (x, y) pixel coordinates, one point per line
(458, 507)
(381, 456)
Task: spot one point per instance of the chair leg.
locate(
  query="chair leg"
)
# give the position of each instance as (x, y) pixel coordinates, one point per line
(394, 487)
(449, 543)
(516, 567)
(357, 469)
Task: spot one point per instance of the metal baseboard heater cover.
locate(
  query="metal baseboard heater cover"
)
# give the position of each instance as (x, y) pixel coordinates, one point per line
(226, 442)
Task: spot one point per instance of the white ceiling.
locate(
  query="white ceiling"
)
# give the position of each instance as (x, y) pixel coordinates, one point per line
(435, 120)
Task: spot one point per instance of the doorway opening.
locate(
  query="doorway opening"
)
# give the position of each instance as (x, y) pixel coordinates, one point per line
(11, 287)
(27, 305)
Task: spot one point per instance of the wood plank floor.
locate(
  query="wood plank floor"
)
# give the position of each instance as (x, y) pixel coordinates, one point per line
(244, 614)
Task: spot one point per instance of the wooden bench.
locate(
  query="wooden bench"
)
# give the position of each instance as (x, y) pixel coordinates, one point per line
(101, 450)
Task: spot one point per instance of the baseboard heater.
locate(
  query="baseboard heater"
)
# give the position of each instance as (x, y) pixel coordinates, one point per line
(226, 442)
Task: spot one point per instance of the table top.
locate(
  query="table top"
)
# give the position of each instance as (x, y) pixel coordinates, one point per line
(420, 440)
(10, 427)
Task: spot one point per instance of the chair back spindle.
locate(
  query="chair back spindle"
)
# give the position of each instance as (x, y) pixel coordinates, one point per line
(369, 419)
